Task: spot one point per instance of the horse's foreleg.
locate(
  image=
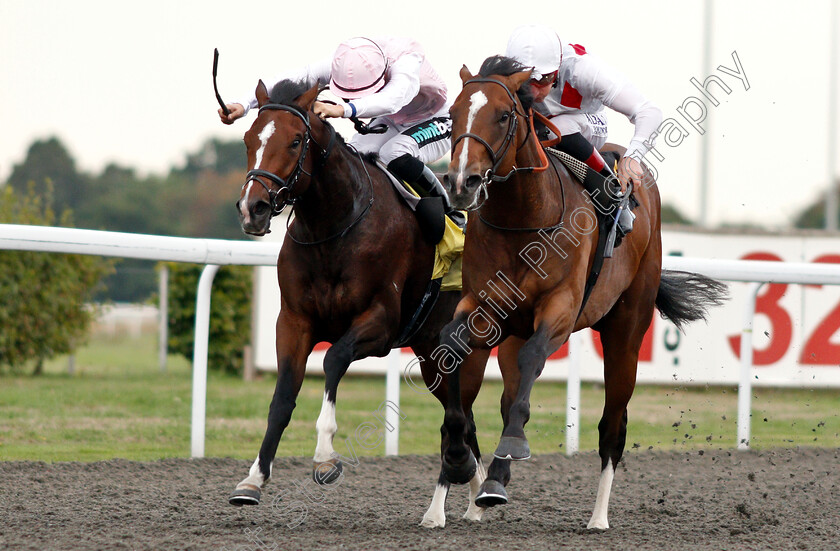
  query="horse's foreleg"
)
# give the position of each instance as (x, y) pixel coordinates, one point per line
(452, 357)
(475, 510)
(327, 468)
(435, 516)
(434, 379)
(294, 343)
(492, 491)
(472, 376)
(622, 331)
(366, 337)
(531, 360)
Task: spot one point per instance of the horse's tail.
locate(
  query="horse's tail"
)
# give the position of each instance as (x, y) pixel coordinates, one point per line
(684, 297)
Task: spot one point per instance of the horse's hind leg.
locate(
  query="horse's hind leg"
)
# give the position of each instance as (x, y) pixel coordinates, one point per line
(622, 331)
(294, 343)
(365, 337)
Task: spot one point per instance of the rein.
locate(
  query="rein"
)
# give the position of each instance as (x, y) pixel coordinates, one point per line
(531, 230)
(287, 185)
(349, 227)
(496, 156)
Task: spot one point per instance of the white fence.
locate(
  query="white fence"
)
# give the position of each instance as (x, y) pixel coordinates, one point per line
(214, 252)
(210, 252)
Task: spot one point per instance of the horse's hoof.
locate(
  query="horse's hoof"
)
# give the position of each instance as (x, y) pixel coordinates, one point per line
(432, 521)
(598, 524)
(460, 474)
(513, 447)
(474, 513)
(245, 494)
(491, 493)
(327, 472)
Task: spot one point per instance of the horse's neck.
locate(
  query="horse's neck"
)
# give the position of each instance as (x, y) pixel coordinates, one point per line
(339, 189)
(527, 198)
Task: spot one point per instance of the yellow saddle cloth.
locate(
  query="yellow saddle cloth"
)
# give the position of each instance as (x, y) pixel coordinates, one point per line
(448, 254)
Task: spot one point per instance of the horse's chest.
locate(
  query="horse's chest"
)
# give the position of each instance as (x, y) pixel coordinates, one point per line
(330, 298)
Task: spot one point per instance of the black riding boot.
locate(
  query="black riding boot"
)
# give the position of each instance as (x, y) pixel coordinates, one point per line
(413, 171)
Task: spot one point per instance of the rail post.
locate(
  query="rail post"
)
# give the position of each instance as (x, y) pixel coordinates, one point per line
(200, 346)
(745, 380)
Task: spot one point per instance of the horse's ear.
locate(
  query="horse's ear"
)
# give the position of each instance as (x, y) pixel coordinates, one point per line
(465, 75)
(308, 98)
(261, 93)
(520, 78)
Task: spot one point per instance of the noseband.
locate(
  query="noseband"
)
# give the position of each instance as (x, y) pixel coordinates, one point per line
(496, 156)
(287, 185)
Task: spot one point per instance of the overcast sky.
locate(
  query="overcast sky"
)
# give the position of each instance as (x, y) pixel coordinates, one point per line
(131, 83)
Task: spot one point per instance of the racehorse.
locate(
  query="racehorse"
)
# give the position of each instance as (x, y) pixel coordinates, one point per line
(353, 269)
(528, 277)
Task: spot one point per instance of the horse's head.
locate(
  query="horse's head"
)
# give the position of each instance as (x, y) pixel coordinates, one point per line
(489, 124)
(277, 143)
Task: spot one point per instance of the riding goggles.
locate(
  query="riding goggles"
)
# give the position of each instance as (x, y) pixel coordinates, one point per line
(545, 80)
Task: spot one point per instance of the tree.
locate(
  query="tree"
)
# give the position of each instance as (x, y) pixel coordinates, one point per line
(813, 216)
(218, 156)
(672, 215)
(230, 313)
(196, 200)
(43, 296)
(48, 162)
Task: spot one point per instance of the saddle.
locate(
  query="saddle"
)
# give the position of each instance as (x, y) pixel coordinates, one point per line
(606, 212)
(596, 187)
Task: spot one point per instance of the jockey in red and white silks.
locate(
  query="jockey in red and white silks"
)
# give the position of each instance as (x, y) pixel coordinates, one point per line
(572, 87)
(389, 80)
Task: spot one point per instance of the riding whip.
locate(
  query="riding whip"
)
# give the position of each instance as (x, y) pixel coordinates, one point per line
(225, 110)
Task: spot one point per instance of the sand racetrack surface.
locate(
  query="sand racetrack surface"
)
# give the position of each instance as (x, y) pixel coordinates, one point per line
(777, 499)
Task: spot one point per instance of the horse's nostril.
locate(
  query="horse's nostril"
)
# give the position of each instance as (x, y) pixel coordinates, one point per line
(261, 208)
(446, 178)
(472, 181)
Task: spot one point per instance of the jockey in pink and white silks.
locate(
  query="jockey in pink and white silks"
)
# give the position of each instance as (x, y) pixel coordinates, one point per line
(389, 80)
(572, 87)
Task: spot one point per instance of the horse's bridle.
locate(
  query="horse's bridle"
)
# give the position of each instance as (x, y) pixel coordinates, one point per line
(496, 156)
(287, 185)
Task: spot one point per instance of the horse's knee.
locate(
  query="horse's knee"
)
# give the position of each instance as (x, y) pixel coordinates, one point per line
(453, 421)
(452, 334)
(338, 355)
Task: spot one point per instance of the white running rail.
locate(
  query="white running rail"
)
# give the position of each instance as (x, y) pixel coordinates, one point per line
(215, 252)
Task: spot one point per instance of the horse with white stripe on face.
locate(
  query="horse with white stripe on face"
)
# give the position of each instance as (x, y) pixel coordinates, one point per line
(531, 276)
(354, 271)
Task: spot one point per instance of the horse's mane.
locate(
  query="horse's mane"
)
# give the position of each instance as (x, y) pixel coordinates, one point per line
(506, 66)
(286, 92)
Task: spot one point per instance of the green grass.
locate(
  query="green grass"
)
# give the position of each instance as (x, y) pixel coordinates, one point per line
(118, 404)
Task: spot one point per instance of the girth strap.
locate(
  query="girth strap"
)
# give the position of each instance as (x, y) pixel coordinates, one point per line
(427, 303)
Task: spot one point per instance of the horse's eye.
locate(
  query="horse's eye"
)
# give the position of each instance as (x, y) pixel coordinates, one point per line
(295, 143)
(504, 117)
